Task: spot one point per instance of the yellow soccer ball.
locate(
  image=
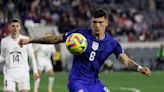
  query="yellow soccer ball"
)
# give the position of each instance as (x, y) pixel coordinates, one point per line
(76, 43)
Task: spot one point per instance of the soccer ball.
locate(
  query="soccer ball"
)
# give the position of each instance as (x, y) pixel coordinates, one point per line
(76, 43)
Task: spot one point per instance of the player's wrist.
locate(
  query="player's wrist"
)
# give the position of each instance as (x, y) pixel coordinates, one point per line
(139, 68)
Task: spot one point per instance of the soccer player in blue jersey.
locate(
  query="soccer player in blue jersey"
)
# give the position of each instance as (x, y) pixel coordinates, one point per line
(85, 69)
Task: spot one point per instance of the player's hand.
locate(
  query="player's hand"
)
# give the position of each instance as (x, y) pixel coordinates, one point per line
(145, 71)
(36, 76)
(23, 42)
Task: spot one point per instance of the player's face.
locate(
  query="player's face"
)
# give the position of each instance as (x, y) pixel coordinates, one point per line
(15, 28)
(99, 25)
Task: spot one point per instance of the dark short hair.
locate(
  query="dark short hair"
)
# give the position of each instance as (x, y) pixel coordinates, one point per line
(15, 20)
(99, 13)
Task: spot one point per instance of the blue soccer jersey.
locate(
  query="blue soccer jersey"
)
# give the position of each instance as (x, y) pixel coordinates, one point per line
(86, 66)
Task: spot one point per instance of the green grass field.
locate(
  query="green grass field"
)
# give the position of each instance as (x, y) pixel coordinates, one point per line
(115, 81)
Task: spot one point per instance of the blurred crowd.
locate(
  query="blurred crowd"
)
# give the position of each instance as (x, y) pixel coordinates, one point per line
(130, 20)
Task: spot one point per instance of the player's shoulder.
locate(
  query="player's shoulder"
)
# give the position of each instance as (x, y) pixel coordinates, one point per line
(6, 38)
(110, 39)
(113, 40)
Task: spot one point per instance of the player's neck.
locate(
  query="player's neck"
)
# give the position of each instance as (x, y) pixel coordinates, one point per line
(99, 36)
(14, 36)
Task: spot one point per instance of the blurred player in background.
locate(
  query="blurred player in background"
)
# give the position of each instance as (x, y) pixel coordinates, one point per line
(83, 76)
(16, 68)
(43, 54)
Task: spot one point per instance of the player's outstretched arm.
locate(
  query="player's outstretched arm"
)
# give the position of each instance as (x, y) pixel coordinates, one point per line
(129, 63)
(44, 40)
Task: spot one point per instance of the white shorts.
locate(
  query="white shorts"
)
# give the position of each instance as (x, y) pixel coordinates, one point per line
(44, 64)
(21, 78)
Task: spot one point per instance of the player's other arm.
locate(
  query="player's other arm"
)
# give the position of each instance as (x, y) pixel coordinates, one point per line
(44, 40)
(131, 64)
(33, 61)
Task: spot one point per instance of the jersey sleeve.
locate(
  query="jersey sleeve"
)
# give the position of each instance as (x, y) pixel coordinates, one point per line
(117, 49)
(69, 33)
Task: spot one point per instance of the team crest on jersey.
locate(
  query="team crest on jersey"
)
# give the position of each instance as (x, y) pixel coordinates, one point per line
(95, 45)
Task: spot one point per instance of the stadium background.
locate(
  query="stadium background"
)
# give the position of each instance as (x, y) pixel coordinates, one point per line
(137, 24)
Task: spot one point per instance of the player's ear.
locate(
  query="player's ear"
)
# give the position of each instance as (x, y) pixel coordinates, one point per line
(107, 22)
